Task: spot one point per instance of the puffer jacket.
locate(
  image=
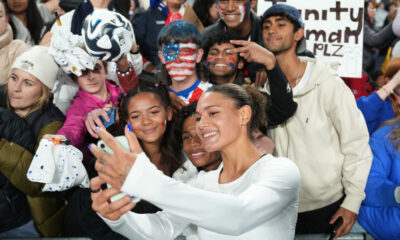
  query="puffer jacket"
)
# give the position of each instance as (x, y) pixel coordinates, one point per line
(47, 209)
(14, 208)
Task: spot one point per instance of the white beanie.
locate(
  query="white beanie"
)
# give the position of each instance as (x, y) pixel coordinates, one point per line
(39, 63)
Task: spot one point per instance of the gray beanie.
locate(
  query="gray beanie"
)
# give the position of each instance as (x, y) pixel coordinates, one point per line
(39, 63)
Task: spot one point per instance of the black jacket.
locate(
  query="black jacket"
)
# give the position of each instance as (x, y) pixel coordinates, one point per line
(147, 25)
(19, 140)
(14, 208)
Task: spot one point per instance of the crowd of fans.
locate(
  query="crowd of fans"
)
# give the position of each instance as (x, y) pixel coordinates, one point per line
(215, 124)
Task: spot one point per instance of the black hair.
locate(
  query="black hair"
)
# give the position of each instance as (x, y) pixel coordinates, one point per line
(34, 21)
(367, 19)
(202, 10)
(122, 6)
(169, 148)
(219, 38)
(296, 25)
(242, 96)
(183, 114)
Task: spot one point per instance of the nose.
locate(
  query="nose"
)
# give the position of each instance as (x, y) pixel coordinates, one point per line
(17, 86)
(196, 141)
(90, 75)
(230, 6)
(146, 119)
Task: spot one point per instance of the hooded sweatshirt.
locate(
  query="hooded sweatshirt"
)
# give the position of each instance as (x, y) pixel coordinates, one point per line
(328, 140)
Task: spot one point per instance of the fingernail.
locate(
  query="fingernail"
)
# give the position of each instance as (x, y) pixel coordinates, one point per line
(131, 197)
(129, 127)
(97, 129)
(90, 145)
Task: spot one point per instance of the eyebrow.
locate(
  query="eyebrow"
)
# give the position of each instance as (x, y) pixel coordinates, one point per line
(208, 107)
(137, 111)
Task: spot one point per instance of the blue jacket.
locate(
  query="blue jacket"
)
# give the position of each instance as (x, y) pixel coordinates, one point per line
(380, 213)
(375, 111)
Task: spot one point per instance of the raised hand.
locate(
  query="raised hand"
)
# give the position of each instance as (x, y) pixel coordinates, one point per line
(93, 121)
(252, 52)
(114, 168)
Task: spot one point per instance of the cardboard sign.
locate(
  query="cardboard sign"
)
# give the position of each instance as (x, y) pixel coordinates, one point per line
(333, 30)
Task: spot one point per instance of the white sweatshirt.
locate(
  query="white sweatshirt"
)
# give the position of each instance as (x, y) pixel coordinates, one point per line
(261, 204)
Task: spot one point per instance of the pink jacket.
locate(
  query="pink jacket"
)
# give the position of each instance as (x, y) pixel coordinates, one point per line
(74, 126)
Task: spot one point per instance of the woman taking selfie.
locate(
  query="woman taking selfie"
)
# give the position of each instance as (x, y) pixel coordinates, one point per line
(250, 196)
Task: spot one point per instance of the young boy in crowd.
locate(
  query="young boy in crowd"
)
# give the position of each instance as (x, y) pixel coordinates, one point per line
(179, 51)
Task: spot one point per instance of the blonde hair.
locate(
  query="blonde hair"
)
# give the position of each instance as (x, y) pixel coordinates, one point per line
(43, 101)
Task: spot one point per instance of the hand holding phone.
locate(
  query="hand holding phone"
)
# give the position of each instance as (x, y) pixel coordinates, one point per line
(123, 141)
(111, 115)
(335, 227)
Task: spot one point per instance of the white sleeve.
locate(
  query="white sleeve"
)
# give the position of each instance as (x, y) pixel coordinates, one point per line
(157, 226)
(275, 187)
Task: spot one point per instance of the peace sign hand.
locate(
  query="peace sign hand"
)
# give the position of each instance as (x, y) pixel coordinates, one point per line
(252, 52)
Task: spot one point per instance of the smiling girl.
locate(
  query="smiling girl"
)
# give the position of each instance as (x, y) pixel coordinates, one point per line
(250, 196)
(147, 109)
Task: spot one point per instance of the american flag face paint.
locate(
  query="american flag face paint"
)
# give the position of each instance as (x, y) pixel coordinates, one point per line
(180, 60)
(244, 11)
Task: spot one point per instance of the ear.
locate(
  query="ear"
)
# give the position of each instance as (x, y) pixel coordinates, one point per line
(161, 57)
(299, 34)
(170, 113)
(245, 114)
(200, 53)
(240, 64)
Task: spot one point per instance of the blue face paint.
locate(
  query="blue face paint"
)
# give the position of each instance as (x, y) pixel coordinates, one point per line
(232, 65)
(171, 52)
(247, 10)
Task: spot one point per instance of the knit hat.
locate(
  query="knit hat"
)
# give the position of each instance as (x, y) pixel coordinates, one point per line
(293, 15)
(39, 63)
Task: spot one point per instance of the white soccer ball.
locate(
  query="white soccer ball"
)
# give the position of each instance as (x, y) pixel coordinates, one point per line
(107, 35)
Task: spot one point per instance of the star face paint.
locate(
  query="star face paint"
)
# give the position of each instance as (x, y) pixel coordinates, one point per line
(180, 60)
(244, 11)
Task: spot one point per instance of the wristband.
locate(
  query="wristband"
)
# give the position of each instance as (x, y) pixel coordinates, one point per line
(125, 73)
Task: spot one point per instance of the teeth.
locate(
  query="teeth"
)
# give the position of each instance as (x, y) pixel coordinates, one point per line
(220, 65)
(197, 154)
(209, 134)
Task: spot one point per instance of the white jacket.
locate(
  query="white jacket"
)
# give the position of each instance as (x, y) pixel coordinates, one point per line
(328, 140)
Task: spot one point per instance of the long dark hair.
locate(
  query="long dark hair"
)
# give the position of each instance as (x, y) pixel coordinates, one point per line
(202, 10)
(170, 150)
(34, 21)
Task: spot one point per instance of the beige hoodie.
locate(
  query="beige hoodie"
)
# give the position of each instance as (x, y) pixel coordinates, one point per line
(9, 50)
(328, 140)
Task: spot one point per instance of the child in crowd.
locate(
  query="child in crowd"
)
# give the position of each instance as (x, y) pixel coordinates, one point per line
(179, 51)
(250, 196)
(148, 110)
(94, 92)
